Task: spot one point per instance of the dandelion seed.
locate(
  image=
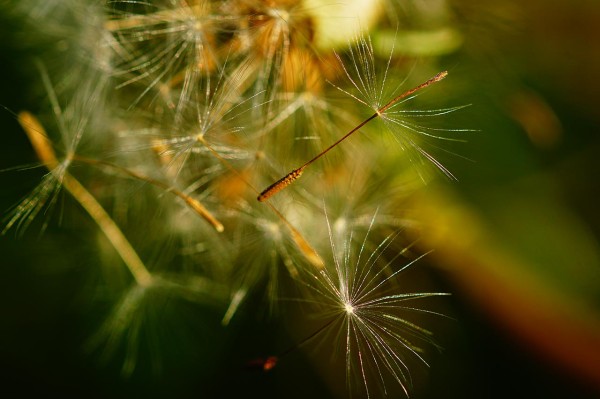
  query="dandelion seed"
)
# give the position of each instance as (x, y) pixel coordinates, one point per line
(370, 87)
(164, 46)
(356, 293)
(71, 126)
(31, 207)
(71, 123)
(211, 116)
(296, 173)
(275, 32)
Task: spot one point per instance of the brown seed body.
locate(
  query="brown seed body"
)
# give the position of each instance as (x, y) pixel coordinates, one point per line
(280, 184)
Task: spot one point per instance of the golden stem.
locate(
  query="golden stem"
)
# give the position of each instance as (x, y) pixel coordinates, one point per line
(110, 229)
(39, 140)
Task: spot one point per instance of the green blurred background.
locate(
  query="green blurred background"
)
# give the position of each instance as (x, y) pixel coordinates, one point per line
(530, 71)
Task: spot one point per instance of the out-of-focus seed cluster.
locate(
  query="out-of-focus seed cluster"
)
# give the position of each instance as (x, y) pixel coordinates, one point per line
(171, 116)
